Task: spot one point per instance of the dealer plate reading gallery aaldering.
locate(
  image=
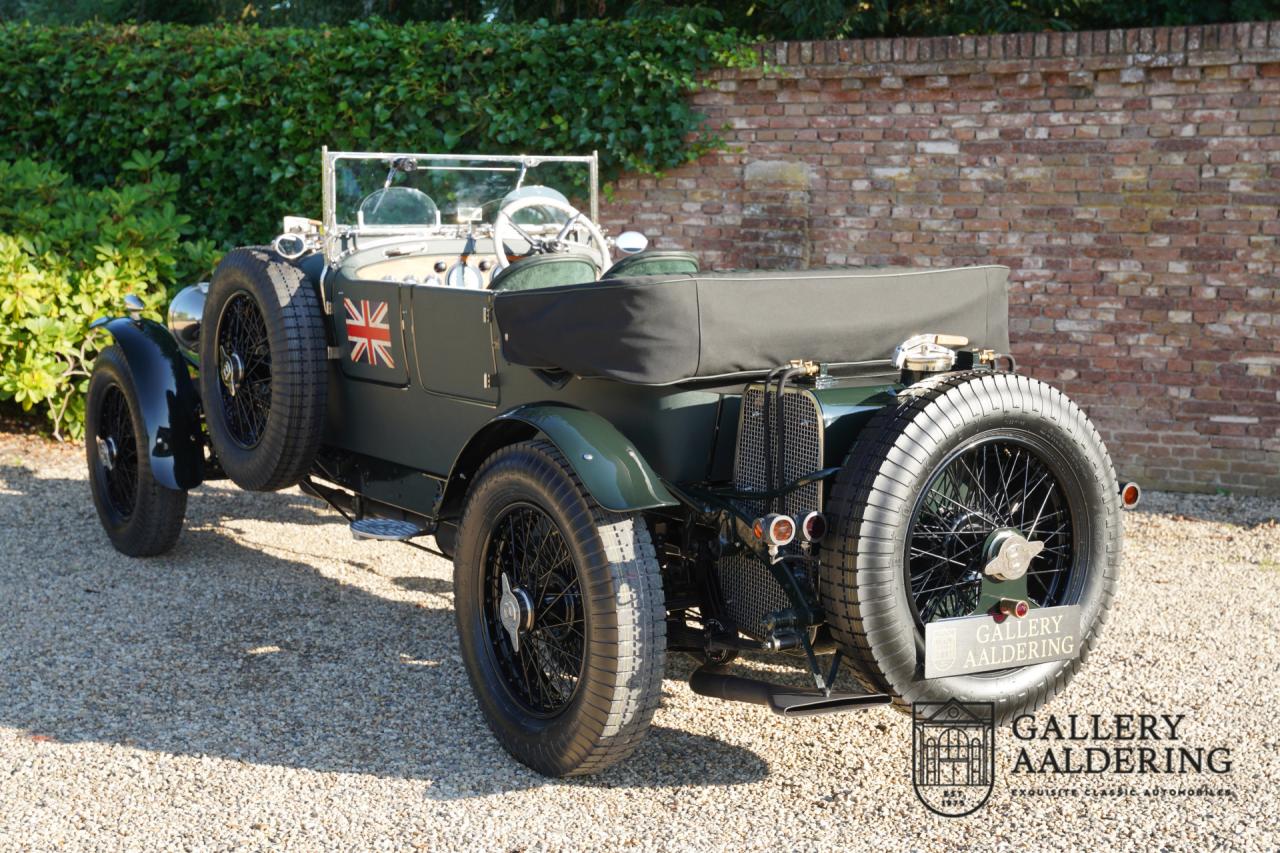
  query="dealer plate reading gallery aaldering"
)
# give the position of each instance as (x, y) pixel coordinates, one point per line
(972, 644)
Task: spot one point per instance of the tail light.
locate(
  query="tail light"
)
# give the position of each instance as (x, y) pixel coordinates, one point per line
(775, 529)
(1014, 607)
(814, 527)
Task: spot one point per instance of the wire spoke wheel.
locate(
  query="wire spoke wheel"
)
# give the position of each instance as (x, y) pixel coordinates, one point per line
(118, 452)
(969, 472)
(141, 516)
(244, 369)
(994, 485)
(540, 646)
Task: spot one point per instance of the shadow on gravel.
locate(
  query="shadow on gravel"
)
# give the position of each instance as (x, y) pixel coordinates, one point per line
(421, 584)
(218, 649)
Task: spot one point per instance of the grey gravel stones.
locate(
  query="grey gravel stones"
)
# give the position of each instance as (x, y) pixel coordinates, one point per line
(273, 684)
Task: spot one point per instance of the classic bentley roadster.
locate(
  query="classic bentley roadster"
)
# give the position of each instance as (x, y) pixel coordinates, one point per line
(633, 455)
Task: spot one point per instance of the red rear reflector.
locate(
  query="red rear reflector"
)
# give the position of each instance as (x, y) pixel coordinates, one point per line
(1130, 495)
(814, 526)
(1014, 607)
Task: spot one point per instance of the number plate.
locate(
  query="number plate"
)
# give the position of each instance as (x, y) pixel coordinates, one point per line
(981, 644)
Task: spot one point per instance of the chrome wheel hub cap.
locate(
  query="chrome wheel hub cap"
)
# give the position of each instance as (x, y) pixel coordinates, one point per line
(1009, 554)
(107, 452)
(231, 371)
(516, 612)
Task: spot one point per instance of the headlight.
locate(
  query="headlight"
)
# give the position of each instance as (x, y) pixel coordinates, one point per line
(185, 312)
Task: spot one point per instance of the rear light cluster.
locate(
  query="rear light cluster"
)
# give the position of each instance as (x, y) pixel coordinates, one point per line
(814, 527)
(777, 530)
(1015, 607)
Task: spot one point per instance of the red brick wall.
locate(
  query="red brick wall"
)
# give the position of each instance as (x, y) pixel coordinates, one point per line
(1131, 180)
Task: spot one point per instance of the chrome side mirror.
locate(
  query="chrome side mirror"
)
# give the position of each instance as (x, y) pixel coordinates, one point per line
(631, 242)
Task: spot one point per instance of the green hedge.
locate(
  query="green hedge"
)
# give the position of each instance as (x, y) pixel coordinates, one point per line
(69, 254)
(239, 113)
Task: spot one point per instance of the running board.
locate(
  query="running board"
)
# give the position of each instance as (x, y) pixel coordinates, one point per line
(787, 701)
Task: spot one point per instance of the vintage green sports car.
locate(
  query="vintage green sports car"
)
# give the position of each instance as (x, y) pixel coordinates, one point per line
(629, 455)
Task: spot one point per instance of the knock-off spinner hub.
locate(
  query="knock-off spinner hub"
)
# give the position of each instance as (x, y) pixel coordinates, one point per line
(231, 371)
(515, 610)
(1009, 555)
(107, 452)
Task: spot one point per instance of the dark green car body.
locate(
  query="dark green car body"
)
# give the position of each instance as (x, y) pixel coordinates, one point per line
(454, 399)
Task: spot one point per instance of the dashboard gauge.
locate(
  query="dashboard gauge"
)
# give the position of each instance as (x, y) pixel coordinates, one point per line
(461, 275)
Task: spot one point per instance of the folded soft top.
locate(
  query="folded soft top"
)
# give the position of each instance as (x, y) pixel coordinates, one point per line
(656, 331)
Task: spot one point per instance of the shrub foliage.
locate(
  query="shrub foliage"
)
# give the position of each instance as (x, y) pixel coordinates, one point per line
(239, 114)
(772, 19)
(69, 255)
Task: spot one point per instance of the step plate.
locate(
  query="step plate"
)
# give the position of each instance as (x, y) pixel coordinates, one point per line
(385, 529)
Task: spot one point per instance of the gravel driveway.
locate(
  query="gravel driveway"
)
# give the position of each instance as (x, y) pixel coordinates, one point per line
(273, 684)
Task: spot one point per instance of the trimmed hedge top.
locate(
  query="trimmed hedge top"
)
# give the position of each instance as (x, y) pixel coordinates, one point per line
(240, 114)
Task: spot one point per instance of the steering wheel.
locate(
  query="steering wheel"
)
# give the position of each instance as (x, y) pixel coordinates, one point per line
(577, 231)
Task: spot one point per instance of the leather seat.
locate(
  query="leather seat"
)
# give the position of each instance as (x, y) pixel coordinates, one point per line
(542, 271)
(654, 262)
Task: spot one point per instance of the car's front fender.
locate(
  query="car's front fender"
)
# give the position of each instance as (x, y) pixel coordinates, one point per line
(609, 466)
(167, 399)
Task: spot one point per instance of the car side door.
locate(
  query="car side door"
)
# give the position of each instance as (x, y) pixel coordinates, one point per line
(453, 342)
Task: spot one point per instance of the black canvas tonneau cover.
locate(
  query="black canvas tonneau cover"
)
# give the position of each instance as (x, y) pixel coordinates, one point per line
(661, 330)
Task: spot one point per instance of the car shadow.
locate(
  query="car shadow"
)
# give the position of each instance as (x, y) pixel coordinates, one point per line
(221, 649)
(414, 583)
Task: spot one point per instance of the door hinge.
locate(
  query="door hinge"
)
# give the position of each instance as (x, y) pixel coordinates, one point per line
(333, 353)
(488, 380)
(486, 315)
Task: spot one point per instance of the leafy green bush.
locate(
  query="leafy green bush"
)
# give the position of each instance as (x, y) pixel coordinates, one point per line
(69, 255)
(772, 19)
(239, 113)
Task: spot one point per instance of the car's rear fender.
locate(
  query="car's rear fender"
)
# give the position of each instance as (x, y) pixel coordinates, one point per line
(167, 398)
(609, 466)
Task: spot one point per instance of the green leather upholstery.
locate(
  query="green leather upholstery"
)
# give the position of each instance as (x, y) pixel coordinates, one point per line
(654, 262)
(542, 271)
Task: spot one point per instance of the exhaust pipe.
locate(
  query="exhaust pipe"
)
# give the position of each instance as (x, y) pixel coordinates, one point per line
(787, 701)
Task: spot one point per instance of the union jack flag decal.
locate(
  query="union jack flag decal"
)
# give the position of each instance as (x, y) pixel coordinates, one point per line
(369, 332)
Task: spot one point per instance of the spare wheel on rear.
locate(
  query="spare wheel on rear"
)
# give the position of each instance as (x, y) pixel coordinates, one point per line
(263, 369)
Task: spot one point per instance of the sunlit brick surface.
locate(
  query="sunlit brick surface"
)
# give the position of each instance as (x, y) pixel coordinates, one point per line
(1131, 179)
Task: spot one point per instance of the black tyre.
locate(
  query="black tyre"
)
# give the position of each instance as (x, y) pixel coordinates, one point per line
(141, 517)
(263, 369)
(575, 689)
(925, 486)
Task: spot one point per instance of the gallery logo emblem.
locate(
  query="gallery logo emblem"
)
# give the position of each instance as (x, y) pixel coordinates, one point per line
(942, 649)
(953, 755)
